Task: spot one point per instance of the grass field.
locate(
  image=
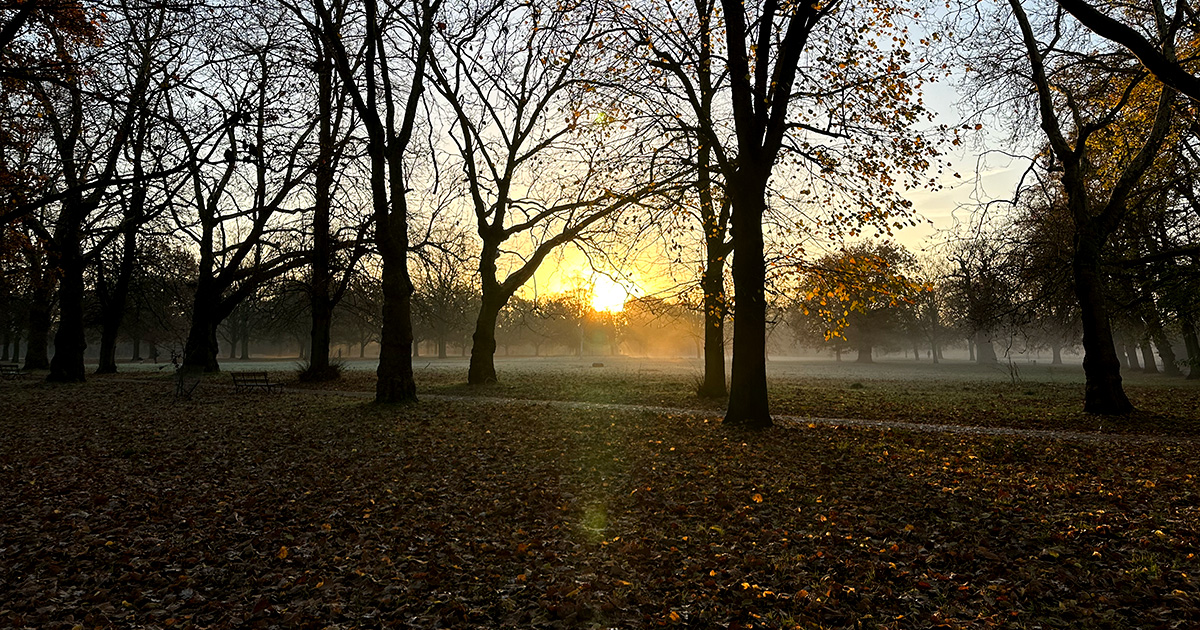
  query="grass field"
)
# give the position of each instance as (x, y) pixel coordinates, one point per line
(1028, 395)
(125, 509)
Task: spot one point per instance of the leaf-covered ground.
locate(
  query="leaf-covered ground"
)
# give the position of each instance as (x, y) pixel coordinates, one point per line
(124, 509)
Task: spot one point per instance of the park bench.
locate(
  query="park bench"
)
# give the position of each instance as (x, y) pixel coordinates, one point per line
(246, 381)
(11, 371)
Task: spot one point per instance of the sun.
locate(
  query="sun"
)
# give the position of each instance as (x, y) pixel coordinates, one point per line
(608, 296)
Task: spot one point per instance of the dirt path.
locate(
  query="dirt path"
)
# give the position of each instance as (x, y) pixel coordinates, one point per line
(780, 419)
(804, 421)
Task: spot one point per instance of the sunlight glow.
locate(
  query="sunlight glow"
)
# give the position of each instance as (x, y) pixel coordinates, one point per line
(608, 296)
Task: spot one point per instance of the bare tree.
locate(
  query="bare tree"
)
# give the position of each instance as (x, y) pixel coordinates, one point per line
(248, 127)
(800, 90)
(547, 161)
(1065, 94)
(385, 81)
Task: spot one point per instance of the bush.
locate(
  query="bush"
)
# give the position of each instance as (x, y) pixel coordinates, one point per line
(309, 374)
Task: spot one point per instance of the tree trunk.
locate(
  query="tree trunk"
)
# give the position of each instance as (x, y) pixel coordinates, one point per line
(201, 348)
(971, 350)
(1103, 393)
(69, 340)
(748, 401)
(1193, 348)
(1148, 365)
(114, 306)
(441, 347)
(712, 279)
(1131, 350)
(1055, 354)
(137, 349)
(1166, 353)
(864, 350)
(712, 283)
(482, 369)
(396, 382)
(37, 356)
(320, 297)
(985, 352)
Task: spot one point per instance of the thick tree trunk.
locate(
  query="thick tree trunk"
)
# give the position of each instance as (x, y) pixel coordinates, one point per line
(985, 352)
(1103, 392)
(441, 347)
(482, 370)
(108, 345)
(1055, 354)
(37, 356)
(319, 339)
(200, 350)
(396, 382)
(748, 400)
(137, 349)
(69, 340)
(864, 351)
(971, 350)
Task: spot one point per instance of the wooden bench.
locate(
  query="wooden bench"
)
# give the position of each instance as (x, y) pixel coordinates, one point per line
(11, 371)
(246, 381)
